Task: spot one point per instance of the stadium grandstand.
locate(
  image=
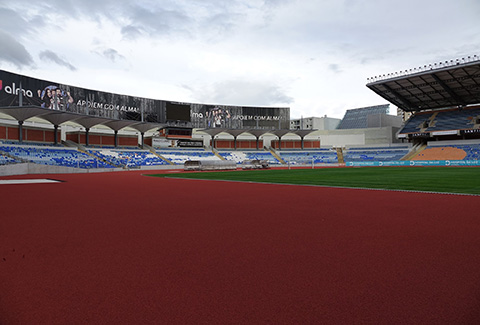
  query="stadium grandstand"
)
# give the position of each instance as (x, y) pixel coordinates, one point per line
(357, 118)
(48, 127)
(444, 101)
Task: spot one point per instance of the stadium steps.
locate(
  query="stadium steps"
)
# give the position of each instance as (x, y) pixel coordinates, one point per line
(431, 122)
(85, 151)
(71, 144)
(152, 150)
(215, 152)
(274, 154)
(82, 149)
(340, 158)
(414, 152)
(6, 154)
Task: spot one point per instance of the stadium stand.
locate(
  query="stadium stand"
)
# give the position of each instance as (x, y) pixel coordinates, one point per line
(5, 160)
(240, 156)
(56, 156)
(128, 158)
(357, 118)
(451, 150)
(375, 153)
(444, 120)
(319, 156)
(179, 156)
(442, 98)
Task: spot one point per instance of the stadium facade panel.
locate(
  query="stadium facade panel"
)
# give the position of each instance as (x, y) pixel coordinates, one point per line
(18, 90)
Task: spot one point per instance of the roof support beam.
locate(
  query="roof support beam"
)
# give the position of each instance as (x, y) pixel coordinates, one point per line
(448, 89)
(406, 102)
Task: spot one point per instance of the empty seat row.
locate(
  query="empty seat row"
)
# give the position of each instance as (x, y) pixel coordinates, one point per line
(326, 156)
(180, 156)
(241, 156)
(128, 158)
(69, 157)
(364, 154)
(465, 119)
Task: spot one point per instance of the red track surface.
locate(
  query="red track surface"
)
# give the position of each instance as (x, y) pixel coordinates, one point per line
(122, 248)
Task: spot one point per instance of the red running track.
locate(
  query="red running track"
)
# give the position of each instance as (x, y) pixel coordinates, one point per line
(121, 248)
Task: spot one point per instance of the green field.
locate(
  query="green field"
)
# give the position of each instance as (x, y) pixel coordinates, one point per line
(464, 180)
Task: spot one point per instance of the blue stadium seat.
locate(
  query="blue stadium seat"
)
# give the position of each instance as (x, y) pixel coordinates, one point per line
(374, 154)
(319, 156)
(56, 156)
(446, 120)
(131, 158)
(241, 156)
(179, 156)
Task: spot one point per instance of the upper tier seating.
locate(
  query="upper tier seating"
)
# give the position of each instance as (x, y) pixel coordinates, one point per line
(358, 118)
(442, 121)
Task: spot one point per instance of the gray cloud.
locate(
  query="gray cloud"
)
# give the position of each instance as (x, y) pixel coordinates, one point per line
(335, 68)
(131, 32)
(53, 57)
(112, 55)
(13, 52)
(11, 21)
(219, 25)
(208, 20)
(250, 93)
(276, 3)
(159, 22)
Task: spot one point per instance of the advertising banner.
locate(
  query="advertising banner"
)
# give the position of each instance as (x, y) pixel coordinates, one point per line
(55, 96)
(414, 163)
(61, 97)
(238, 117)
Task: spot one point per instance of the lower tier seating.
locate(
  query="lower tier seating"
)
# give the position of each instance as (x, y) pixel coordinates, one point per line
(180, 156)
(128, 158)
(374, 154)
(241, 156)
(450, 152)
(56, 156)
(320, 156)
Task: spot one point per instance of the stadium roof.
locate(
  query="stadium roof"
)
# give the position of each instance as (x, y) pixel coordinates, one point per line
(454, 83)
(255, 132)
(22, 113)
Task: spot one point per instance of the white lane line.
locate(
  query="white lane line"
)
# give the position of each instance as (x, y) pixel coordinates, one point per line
(27, 181)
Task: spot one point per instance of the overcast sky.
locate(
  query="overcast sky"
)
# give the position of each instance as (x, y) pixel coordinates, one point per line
(313, 56)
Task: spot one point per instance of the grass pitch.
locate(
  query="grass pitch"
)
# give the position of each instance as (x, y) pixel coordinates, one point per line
(461, 180)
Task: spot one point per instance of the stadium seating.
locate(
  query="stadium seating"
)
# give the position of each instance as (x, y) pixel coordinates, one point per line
(375, 154)
(450, 152)
(319, 156)
(473, 151)
(137, 158)
(5, 160)
(128, 158)
(442, 121)
(241, 156)
(179, 156)
(56, 156)
(357, 118)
